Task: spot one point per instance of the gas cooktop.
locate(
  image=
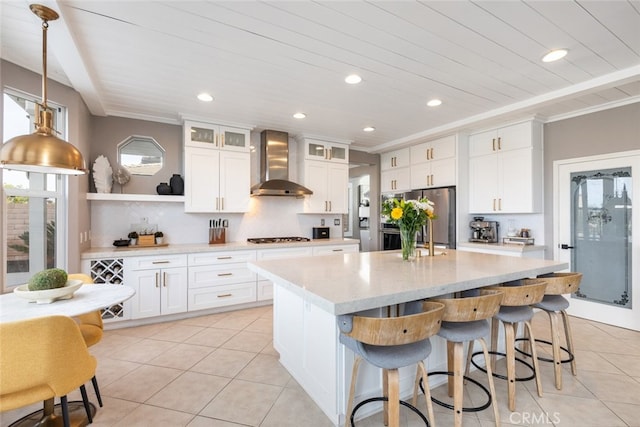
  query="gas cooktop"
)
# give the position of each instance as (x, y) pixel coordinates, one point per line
(277, 239)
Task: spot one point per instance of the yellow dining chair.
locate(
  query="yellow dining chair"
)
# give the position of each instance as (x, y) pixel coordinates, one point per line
(41, 359)
(91, 327)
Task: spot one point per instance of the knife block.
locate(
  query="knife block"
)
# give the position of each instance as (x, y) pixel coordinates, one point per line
(217, 235)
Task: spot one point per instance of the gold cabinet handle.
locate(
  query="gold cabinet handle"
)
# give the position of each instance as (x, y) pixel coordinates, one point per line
(225, 295)
(221, 203)
(224, 274)
(493, 141)
(499, 204)
(499, 143)
(160, 262)
(330, 207)
(494, 204)
(157, 279)
(222, 140)
(431, 180)
(164, 279)
(337, 250)
(224, 257)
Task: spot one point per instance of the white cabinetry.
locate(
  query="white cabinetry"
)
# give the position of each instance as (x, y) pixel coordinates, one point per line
(217, 168)
(160, 283)
(505, 170)
(315, 149)
(219, 279)
(335, 249)
(433, 163)
(208, 135)
(395, 174)
(325, 171)
(329, 183)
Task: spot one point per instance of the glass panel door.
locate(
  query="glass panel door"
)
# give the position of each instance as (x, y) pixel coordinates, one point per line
(593, 232)
(601, 214)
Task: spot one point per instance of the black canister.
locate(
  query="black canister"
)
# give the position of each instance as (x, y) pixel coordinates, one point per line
(163, 188)
(177, 185)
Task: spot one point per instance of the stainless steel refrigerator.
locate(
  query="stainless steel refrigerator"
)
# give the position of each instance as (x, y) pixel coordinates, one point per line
(444, 227)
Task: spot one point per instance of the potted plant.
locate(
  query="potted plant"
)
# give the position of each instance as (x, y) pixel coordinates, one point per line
(133, 237)
(159, 237)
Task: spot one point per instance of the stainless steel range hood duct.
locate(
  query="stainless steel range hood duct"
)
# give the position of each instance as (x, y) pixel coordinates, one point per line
(274, 167)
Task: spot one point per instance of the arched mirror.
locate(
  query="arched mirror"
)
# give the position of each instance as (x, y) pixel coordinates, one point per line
(141, 155)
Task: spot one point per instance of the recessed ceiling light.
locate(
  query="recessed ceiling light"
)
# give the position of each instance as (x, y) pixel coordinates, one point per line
(369, 129)
(299, 115)
(353, 79)
(205, 97)
(554, 55)
(434, 103)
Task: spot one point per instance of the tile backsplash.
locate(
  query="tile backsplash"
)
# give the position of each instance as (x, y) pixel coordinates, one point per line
(268, 217)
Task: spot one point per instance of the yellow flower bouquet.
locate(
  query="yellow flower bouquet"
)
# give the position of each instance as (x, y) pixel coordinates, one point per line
(410, 216)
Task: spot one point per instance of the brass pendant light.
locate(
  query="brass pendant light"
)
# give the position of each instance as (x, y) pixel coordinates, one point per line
(42, 151)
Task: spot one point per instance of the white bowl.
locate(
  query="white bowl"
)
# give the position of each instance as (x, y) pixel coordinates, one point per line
(48, 296)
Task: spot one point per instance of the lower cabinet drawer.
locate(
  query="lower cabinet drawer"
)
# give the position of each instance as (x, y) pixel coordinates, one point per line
(220, 296)
(218, 275)
(265, 290)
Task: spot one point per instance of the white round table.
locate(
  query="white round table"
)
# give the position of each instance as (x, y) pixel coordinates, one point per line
(85, 300)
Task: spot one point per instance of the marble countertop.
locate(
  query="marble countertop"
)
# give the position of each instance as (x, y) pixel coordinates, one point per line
(109, 252)
(85, 300)
(501, 246)
(349, 283)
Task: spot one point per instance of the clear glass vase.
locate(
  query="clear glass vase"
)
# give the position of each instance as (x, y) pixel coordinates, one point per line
(408, 241)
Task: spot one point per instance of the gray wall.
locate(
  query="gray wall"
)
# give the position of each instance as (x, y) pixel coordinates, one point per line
(108, 132)
(609, 131)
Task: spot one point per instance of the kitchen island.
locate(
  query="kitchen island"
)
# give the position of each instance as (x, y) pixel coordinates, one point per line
(310, 293)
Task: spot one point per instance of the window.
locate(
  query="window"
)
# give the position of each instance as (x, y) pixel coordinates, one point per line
(33, 216)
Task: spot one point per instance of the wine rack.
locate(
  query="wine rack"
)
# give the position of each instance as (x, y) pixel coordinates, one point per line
(109, 271)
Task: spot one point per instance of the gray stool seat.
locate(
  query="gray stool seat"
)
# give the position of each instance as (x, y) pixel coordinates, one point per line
(553, 303)
(515, 314)
(464, 331)
(389, 357)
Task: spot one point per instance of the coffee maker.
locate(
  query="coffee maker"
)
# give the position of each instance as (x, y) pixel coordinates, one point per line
(483, 231)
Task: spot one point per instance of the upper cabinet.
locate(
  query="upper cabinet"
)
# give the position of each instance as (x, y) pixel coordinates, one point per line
(207, 135)
(505, 169)
(324, 169)
(395, 175)
(217, 168)
(395, 159)
(433, 163)
(315, 149)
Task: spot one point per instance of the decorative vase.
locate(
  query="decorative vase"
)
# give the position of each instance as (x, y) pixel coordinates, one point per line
(177, 185)
(408, 242)
(163, 188)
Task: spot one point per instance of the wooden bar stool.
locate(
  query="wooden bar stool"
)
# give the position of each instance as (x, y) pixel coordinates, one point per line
(465, 320)
(515, 308)
(555, 304)
(391, 343)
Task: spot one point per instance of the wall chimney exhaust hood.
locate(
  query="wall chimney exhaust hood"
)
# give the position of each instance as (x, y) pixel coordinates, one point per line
(274, 167)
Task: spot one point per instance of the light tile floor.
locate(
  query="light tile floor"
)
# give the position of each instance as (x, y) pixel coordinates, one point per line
(222, 371)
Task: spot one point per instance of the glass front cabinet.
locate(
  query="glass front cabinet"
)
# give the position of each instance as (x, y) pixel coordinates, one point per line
(207, 135)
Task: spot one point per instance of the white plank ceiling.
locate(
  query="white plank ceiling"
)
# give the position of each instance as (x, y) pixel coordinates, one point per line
(264, 61)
